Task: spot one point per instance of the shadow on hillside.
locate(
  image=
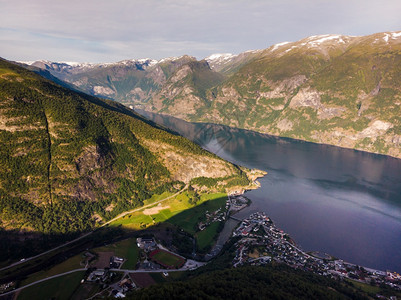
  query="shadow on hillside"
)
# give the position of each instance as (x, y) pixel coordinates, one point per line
(176, 232)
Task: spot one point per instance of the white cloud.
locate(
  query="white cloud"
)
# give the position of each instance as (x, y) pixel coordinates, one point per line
(95, 30)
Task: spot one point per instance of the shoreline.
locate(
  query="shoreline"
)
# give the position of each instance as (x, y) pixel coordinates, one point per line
(258, 230)
(252, 175)
(137, 110)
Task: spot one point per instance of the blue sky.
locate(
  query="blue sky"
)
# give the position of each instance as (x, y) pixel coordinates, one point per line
(107, 31)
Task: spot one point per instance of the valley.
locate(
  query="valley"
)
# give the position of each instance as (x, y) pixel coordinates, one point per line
(71, 162)
(329, 89)
(91, 190)
(155, 218)
(200, 150)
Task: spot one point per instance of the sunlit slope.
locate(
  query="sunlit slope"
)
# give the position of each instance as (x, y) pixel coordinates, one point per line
(68, 160)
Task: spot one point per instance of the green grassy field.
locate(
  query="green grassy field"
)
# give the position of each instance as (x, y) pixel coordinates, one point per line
(205, 237)
(177, 211)
(373, 290)
(58, 288)
(167, 259)
(365, 287)
(188, 219)
(68, 265)
(157, 197)
(127, 249)
(180, 212)
(85, 291)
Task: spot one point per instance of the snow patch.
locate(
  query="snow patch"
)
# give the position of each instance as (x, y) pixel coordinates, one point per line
(254, 51)
(153, 62)
(276, 46)
(218, 59)
(288, 50)
(26, 62)
(391, 35)
(220, 56)
(74, 63)
(316, 40)
(395, 35)
(170, 58)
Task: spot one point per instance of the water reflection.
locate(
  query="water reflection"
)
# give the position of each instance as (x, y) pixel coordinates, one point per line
(340, 201)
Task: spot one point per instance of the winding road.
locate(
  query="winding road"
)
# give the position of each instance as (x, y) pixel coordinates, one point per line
(189, 265)
(89, 233)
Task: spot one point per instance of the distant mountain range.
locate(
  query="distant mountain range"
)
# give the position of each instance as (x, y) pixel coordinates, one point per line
(332, 89)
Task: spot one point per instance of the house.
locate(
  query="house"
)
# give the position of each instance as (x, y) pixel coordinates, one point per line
(393, 275)
(99, 274)
(146, 243)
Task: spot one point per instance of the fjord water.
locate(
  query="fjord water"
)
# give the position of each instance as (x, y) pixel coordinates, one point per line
(339, 201)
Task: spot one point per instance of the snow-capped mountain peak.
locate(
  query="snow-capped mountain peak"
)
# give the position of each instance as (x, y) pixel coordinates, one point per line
(220, 57)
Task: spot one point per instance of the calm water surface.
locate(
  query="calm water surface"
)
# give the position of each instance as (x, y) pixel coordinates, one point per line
(343, 202)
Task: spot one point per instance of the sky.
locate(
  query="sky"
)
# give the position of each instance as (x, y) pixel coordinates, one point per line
(109, 31)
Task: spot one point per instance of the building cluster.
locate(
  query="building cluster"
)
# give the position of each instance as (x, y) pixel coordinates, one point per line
(7, 287)
(120, 289)
(216, 216)
(147, 244)
(116, 262)
(260, 242)
(110, 282)
(236, 202)
(98, 275)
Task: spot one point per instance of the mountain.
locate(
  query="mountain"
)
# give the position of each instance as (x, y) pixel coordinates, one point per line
(227, 63)
(125, 81)
(69, 160)
(328, 89)
(186, 91)
(332, 89)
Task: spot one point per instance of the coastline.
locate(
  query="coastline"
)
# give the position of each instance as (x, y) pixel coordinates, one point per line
(145, 113)
(259, 232)
(253, 175)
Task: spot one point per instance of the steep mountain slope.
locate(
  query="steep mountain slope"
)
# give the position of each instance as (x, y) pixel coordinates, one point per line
(69, 160)
(328, 89)
(185, 92)
(332, 89)
(126, 81)
(227, 63)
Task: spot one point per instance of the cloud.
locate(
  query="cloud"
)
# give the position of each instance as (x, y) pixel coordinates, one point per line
(95, 30)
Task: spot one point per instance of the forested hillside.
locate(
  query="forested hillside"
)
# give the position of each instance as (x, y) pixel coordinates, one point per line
(69, 161)
(278, 282)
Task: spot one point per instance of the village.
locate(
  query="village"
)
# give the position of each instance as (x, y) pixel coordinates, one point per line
(154, 258)
(258, 242)
(261, 242)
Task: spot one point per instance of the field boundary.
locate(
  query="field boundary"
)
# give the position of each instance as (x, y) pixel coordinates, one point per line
(177, 265)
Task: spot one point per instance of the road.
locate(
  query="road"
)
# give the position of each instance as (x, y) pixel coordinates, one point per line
(89, 233)
(142, 207)
(41, 280)
(189, 265)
